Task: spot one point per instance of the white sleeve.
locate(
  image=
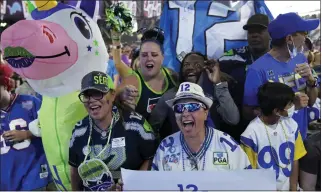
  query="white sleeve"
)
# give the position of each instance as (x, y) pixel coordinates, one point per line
(238, 159)
(157, 161)
(34, 128)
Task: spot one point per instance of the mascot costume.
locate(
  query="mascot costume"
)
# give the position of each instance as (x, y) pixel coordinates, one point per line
(53, 50)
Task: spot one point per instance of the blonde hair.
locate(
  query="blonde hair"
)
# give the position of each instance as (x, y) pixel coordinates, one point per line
(136, 64)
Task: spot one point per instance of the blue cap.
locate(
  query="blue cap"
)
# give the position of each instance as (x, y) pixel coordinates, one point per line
(289, 23)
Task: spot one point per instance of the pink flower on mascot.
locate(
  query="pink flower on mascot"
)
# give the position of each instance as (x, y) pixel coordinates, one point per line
(53, 50)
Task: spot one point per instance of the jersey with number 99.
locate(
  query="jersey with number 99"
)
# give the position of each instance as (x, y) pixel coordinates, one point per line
(23, 164)
(274, 147)
(222, 153)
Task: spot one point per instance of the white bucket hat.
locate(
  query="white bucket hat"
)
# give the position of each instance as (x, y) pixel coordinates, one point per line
(189, 90)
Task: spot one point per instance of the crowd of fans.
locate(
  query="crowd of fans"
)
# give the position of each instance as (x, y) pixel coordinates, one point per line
(249, 104)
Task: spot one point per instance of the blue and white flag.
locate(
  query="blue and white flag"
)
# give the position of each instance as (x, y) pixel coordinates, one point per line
(209, 27)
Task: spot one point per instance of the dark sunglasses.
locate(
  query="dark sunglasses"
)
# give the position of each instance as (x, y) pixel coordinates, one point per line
(86, 96)
(190, 107)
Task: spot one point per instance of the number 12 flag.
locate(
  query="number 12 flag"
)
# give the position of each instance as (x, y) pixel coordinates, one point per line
(209, 27)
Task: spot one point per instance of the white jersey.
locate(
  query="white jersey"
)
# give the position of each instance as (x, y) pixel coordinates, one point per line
(218, 152)
(265, 151)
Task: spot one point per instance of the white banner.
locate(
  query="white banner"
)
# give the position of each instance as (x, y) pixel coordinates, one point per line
(255, 179)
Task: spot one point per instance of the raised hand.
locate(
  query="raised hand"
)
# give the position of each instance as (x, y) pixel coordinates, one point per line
(129, 95)
(213, 70)
(305, 71)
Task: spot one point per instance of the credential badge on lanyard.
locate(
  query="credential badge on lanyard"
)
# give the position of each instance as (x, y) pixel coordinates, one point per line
(94, 172)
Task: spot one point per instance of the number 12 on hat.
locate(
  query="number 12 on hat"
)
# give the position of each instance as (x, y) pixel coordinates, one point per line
(184, 87)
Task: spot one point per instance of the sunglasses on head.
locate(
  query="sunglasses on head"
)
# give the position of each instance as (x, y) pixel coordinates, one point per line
(87, 95)
(144, 29)
(190, 107)
(155, 31)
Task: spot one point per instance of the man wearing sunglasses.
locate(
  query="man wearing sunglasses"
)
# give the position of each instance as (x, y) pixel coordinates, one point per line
(109, 138)
(197, 147)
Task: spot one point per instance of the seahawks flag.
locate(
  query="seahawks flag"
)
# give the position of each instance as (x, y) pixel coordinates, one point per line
(209, 27)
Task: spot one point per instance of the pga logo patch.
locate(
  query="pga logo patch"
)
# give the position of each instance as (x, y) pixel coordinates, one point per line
(220, 158)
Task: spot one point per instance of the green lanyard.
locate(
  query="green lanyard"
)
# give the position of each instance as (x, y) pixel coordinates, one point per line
(90, 136)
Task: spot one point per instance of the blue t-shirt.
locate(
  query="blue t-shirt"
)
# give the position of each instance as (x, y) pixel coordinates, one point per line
(111, 69)
(265, 69)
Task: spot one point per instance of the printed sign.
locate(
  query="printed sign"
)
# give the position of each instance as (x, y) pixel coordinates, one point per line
(246, 180)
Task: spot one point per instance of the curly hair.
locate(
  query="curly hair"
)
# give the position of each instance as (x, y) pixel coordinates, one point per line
(5, 76)
(181, 78)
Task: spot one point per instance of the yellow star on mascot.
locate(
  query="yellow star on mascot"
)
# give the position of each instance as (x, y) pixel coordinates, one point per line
(53, 50)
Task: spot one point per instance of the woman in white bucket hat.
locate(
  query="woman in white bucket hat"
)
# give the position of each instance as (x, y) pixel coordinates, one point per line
(197, 147)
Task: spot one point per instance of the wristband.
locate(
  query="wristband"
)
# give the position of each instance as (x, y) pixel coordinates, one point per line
(314, 84)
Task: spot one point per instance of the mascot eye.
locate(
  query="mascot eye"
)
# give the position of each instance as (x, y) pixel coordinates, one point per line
(82, 25)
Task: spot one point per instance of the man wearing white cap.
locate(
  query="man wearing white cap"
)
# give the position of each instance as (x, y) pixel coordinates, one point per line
(196, 147)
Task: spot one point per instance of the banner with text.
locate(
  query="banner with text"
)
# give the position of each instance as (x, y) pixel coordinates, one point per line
(256, 179)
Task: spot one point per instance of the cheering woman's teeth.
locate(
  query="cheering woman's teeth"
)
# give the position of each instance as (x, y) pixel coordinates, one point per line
(95, 107)
(149, 66)
(186, 123)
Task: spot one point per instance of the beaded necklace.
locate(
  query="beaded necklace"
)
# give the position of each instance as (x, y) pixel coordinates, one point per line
(195, 157)
(195, 162)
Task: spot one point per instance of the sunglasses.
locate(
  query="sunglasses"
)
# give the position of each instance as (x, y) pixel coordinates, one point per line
(144, 29)
(86, 96)
(155, 29)
(190, 107)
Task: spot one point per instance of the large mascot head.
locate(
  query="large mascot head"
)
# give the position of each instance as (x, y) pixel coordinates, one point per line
(56, 47)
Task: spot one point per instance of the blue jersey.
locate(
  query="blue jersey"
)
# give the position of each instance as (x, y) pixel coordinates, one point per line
(265, 69)
(23, 164)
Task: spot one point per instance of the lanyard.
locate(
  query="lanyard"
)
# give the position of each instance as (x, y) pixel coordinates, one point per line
(90, 136)
(288, 146)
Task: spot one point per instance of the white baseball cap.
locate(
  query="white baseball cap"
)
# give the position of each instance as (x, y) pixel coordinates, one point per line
(189, 90)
